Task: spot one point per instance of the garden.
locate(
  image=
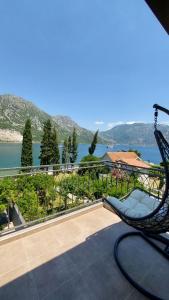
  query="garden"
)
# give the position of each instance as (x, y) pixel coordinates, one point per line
(40, 195)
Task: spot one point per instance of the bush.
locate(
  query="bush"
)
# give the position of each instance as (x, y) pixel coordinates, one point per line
(92, 165)
(8, 193)
(28, 203)
(33, 194)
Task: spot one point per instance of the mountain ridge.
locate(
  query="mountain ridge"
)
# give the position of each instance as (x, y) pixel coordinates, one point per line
(15, 110)
(134, 134)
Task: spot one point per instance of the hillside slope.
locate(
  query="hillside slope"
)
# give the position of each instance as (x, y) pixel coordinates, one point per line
(15, 110)
(85, 136)
(134, 134)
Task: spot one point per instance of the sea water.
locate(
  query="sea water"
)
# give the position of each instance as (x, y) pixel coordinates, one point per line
(10, 153)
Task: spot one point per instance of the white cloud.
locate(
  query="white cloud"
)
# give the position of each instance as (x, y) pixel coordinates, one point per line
(113, 124)
(131, 122)
(98, 122)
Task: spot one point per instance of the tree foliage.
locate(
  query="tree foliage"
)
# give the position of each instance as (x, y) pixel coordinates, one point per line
(55, 148)
(74, 148)
(65, 154)
(28, 203)
(94, 143)
(90, 158)
(32, 194)
(92, 164)
(69, 146)
(7, 193)
(46, 152)
(37, 196)
(26, 154)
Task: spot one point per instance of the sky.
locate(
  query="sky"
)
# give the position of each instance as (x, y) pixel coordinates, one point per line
(101, 62)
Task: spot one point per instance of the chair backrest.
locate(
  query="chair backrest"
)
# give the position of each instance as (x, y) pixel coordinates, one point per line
(163, 146)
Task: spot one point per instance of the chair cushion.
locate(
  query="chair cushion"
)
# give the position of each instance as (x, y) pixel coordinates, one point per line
(130, 202)
(117, 204)
(139, 211)
(143, 198)
(137, 205)
(137, 194)
(150, 202)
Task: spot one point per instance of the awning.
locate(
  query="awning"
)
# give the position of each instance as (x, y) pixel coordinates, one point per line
(161, 10)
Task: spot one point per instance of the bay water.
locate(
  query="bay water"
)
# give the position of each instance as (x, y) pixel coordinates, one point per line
(10, 153)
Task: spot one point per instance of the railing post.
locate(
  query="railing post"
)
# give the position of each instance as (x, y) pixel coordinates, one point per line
(8, 215)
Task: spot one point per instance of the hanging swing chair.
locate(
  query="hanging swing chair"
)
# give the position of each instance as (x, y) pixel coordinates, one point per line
(149, 215)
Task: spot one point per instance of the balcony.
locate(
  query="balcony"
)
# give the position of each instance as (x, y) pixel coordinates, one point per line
(33, 195)
(70, 256)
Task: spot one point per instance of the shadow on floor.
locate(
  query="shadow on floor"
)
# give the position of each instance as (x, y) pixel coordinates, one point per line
(88, 271)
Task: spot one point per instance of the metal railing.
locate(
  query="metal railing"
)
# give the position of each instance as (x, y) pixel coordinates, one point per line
(31, 195)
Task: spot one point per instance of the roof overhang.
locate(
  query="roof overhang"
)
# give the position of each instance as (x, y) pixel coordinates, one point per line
(161, 10)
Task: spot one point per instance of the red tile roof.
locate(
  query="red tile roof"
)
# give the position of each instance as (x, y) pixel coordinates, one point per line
(130, 158)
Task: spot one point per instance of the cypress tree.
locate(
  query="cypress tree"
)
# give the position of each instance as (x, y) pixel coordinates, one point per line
(55, 148)
(69, 146)
(65, 152)
(74, 151)
(26, 154)
(46, 151)
(93, 144)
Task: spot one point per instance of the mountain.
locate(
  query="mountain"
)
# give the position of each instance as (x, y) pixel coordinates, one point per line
(13, 113)
(85, 136)
(15, 110)
(134, 134)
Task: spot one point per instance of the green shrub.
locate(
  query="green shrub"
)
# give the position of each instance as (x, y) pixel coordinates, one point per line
(28, 204)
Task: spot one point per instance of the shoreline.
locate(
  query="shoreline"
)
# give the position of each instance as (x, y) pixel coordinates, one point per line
(10, 152)
(108, 146)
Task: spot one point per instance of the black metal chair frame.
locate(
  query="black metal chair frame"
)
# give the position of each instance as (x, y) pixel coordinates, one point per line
(151, 226)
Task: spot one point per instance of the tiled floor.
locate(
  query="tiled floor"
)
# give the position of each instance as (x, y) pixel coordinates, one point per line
(74, 260)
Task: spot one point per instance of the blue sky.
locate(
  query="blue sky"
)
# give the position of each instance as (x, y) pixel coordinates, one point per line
(102, 62)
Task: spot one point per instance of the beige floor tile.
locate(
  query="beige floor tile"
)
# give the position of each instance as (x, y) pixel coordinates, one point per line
(74, 260)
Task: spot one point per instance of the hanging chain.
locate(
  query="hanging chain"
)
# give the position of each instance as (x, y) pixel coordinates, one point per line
(155, 118)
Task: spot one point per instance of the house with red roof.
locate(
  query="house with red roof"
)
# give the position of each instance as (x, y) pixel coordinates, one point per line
(129, 158)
